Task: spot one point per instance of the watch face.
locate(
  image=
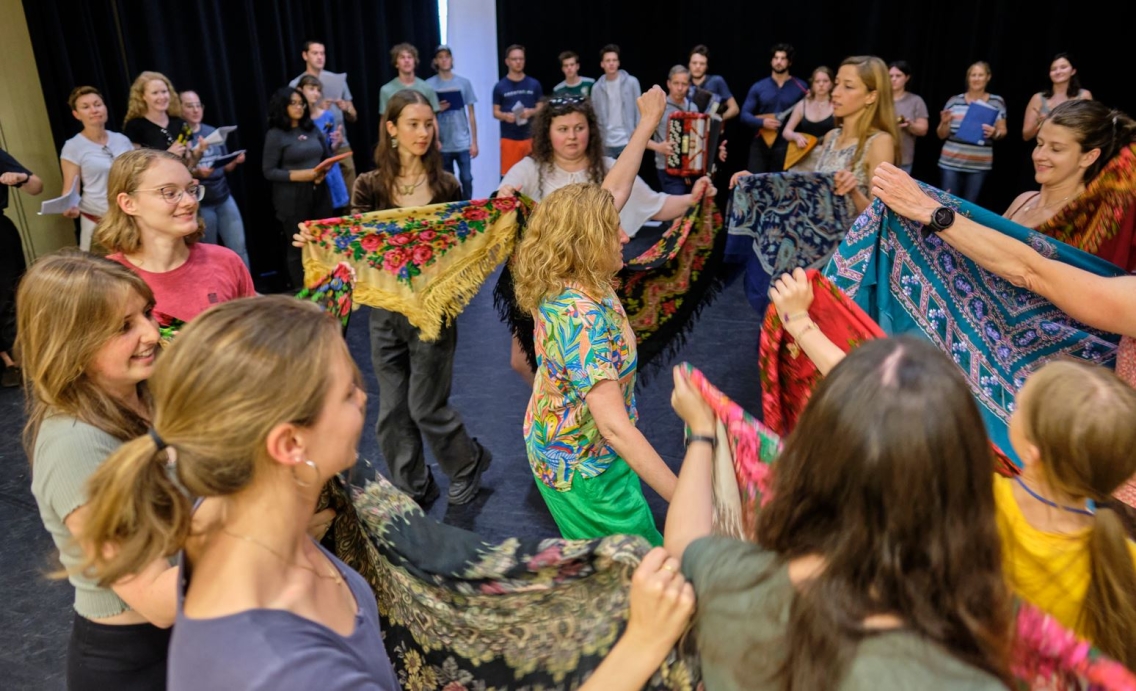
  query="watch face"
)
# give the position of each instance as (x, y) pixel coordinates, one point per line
(943, 217)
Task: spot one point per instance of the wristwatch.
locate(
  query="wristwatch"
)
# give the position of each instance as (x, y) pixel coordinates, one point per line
(941, 219)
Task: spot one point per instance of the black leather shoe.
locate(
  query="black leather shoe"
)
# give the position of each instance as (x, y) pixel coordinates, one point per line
(463, 490)
(430, 496)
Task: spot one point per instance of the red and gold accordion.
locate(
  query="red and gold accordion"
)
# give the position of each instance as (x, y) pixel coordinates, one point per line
(694, 139)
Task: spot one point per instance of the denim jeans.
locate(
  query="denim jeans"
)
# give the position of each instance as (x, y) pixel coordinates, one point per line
(224, 219)
(672, 184)
(907, 168)
(964, 184)
(614, 151)
(465, 170)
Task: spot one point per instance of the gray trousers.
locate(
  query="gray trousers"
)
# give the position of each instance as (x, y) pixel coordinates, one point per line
(414, 390)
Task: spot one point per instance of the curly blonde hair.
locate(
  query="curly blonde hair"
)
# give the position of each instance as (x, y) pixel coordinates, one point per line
(572, 238)
(118, 231)
(136, 108)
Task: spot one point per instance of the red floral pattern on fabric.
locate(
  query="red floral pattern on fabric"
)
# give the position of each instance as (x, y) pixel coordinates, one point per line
(1102, 221)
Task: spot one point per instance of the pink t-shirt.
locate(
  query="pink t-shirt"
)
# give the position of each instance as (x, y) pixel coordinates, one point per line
(212, 274)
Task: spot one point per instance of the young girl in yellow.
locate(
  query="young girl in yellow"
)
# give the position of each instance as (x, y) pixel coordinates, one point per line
(1075, 430)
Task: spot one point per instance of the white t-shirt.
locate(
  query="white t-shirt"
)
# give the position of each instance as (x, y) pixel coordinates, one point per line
(94, 167)
(615, 131)
(640, 207)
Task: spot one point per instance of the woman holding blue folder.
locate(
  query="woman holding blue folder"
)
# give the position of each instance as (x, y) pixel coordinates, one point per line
(969, 123)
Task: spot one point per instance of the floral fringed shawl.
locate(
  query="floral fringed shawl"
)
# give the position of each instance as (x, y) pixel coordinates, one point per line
(425, 263)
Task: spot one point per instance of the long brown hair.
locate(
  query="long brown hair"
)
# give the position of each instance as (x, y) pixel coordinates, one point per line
(542, 151)
(880, 115)
(888, 478)
(215, 429)
(572, 237)
(118, 231)
(1081, 419)
(388, 164)
(136, 106)
(68, 306)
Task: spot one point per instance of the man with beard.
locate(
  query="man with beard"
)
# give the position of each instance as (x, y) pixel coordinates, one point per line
(704, 86)
(773, 98)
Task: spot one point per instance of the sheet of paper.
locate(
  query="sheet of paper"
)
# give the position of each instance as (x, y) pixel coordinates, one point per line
(219, 135)
(220, 160)
(61, 204)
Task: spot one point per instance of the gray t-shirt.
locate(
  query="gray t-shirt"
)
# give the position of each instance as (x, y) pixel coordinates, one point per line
(911, 107)
(277, 650)
(615, 130)
(67, 452)
(744, 624)
(94, 167)
(454, 122)
(641, 206)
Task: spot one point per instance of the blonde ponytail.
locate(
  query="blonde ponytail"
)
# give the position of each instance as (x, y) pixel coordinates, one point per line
(136, 514)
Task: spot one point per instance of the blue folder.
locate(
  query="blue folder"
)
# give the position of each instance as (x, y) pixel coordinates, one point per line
(977, 115)
(454, 98)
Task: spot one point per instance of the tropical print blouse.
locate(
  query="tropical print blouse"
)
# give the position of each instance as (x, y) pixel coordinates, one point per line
(580, 341)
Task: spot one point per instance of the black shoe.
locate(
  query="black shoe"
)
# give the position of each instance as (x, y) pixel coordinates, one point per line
(430, 495)
(463, 490)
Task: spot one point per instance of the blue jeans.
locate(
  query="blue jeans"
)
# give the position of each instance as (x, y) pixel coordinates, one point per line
(965, 184)
(672, 184)
(224, 219)
(907, 168)
(614, 151)
(465, 170)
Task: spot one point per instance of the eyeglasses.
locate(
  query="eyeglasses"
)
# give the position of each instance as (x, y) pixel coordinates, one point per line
(173, 194)
(107, 151)
(566, 102)
(190, 105)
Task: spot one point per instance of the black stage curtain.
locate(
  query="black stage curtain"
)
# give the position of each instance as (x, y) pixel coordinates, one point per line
(234, 53)
(939, 40)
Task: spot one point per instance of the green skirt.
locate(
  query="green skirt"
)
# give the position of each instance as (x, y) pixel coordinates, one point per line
(612, 503)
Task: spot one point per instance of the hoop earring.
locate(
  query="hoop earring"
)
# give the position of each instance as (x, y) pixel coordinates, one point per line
(310, 463)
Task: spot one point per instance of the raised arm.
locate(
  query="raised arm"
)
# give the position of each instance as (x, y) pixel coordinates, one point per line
(691, 513)
(622, 175)
(1101, 302)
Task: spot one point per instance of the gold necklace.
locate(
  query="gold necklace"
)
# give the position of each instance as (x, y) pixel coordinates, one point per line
(404, 190)
(1032, 205)
(333, 573)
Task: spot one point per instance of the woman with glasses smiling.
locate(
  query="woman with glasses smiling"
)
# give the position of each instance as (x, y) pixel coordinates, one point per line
(87, 156)
(293, 147)
(153, 229)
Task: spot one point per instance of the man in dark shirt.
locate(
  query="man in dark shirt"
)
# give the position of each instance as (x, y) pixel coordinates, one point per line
(773, 98)
(12, 176)
(705, 86)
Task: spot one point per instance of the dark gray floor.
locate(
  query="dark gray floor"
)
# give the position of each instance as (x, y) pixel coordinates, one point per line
(36, 615)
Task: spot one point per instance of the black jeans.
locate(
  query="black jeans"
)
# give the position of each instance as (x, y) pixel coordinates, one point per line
(766, 159)
(414, 391)
(124, 658)
(11, 268)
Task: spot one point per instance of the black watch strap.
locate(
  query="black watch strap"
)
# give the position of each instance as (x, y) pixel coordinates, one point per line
(941, 219)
